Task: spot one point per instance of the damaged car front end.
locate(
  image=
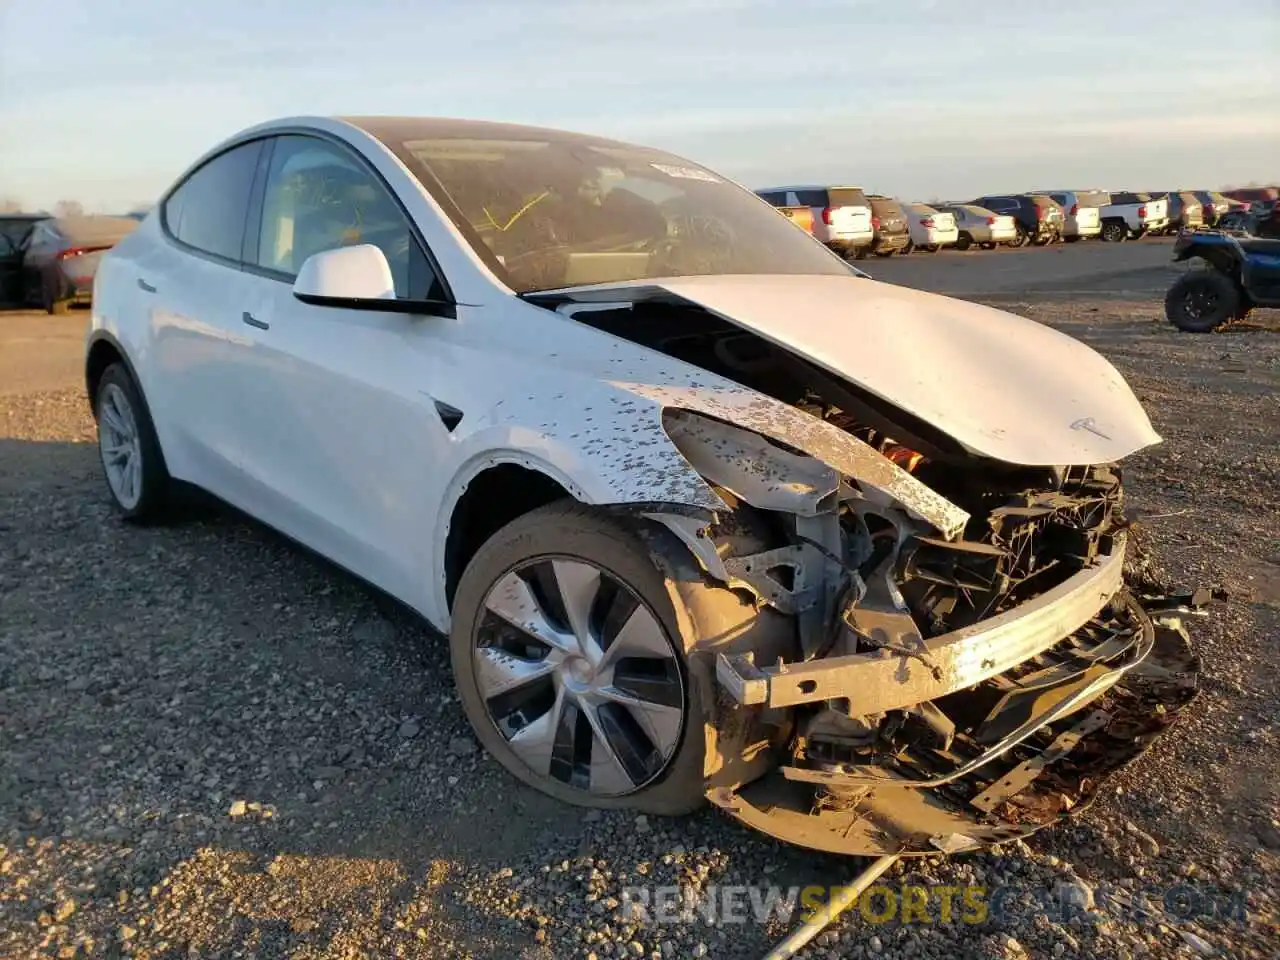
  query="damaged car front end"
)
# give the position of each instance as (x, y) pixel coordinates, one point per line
(947, 693)
(957, 656)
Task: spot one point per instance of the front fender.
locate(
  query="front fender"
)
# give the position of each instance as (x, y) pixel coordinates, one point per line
(629, 464)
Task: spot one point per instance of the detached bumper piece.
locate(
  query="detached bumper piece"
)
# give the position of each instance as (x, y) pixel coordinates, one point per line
(997, 755)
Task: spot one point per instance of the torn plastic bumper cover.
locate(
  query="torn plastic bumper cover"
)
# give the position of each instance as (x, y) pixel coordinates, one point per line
(952, 663)
(1116, 677)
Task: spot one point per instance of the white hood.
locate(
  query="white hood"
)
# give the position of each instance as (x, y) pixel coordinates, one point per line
(1003, 386)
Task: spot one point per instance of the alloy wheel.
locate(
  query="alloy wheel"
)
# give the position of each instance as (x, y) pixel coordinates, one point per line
(579, 677)
(120, 446)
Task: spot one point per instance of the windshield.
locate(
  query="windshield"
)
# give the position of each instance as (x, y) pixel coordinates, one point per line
(545, 214)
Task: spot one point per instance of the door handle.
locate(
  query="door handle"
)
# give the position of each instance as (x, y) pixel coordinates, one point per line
(146, 286)
(253, 321)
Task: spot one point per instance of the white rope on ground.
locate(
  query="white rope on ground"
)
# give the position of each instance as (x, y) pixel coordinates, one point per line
(842, 898)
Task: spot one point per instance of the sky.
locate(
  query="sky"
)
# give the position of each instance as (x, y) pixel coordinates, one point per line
(106, 101)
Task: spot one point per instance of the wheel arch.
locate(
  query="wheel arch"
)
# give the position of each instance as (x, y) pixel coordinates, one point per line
(103, 350)
(495, 492)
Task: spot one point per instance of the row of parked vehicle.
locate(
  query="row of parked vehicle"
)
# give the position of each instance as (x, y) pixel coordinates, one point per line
(50, 262)
(858, 224)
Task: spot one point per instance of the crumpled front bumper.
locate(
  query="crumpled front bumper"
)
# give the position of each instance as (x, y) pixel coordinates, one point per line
(1063, 728)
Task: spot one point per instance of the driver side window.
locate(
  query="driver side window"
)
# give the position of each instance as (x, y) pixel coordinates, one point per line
(317, 197)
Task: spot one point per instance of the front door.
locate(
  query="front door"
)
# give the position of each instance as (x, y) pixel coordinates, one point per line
(344, 444)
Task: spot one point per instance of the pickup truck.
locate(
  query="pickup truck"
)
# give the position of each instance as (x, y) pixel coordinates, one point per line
(1132, 215)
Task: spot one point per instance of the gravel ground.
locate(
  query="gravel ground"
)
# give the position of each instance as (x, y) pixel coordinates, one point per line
(214, 744)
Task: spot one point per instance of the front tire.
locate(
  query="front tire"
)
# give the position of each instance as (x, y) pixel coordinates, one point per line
(1202, 301)
(571, 667)
(129, 450)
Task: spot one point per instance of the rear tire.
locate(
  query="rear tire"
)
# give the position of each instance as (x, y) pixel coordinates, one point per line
(910, 247)
(988, 245)
(1115, 231)
(964, 241)
(1020, 238)
(129, 449)
(1201, 301)
(933, 247)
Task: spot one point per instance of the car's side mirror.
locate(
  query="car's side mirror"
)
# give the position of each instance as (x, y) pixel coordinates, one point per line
(358, 277)
(338, 277)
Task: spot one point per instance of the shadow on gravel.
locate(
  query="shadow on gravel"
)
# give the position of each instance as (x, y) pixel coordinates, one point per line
(211, 660)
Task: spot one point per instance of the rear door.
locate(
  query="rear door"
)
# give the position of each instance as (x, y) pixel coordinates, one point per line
(193, 289)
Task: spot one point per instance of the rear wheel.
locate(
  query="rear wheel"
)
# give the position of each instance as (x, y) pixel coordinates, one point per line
(1115, 231)
(1020, 237)
(964, 241)
(571, 667)
(910, 247)
(988, 245)
(129, 449)
(933, 247)
(1201, 301)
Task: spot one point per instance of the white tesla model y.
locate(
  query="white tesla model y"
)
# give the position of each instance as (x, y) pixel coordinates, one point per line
(704, 511)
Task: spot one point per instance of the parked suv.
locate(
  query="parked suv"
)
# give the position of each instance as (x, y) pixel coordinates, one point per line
(889, 222)
(1081, 218)
(841, 215)
(1186, 212)
(1037, 218)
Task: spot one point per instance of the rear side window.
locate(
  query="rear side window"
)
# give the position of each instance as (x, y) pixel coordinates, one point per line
(812, 198)
(1059, 198)
(209, 208)
(848, 197)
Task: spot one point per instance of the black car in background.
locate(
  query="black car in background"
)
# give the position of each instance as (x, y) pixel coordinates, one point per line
(62, 255)
(889, 221)
(15, 233)
(1038, 218)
